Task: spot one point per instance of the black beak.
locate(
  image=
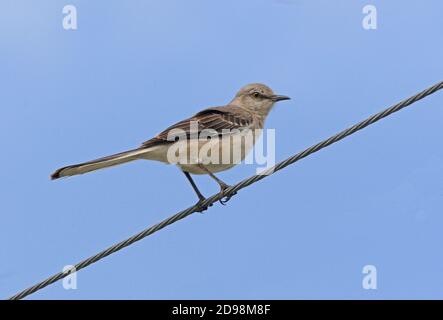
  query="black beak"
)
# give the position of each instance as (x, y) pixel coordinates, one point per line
(277, 97)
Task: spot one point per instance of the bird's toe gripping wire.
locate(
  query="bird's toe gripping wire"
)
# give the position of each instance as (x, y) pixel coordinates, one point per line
(225, 199)
(201, 207)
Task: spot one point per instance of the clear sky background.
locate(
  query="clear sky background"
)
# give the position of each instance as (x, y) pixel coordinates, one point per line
(134, 67)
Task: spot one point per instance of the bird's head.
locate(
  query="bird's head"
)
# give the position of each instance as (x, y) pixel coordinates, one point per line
(258, 98)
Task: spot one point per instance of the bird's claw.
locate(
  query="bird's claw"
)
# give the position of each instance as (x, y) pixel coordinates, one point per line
(200, 207)
(225, 199)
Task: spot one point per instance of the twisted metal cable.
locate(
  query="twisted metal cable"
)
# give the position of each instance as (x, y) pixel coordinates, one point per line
(231, 190)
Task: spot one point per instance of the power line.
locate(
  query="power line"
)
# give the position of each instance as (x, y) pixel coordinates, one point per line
(230, 191)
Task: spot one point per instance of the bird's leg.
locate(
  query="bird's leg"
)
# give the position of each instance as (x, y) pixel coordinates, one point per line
(199, 194)
(223, 186)
(194, 186)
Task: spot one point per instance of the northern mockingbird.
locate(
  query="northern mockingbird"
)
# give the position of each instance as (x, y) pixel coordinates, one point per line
(224, 129)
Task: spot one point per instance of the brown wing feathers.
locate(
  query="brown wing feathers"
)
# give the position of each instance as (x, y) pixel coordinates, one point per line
(216, 118)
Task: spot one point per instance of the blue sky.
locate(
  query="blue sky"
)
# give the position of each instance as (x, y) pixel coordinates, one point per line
(134, 67)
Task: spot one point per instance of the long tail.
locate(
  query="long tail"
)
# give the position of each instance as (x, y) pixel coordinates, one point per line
(100, 163)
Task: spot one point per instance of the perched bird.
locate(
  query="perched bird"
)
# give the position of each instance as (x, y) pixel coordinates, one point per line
(227, 130)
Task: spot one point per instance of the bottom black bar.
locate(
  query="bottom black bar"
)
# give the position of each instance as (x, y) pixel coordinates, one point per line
(215, 309)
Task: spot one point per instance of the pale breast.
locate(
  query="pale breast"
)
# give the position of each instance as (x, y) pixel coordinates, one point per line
(217, 154)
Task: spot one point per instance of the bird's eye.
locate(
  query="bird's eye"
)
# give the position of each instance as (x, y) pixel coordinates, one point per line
(256, 94)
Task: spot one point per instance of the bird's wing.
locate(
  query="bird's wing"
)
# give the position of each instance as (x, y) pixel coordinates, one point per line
(216, 119)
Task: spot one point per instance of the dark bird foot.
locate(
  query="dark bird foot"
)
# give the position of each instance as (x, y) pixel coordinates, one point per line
(224, 200)
(202, 208)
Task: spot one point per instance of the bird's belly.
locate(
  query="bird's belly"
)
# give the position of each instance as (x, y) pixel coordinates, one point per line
(217, 154)
(195, 169)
